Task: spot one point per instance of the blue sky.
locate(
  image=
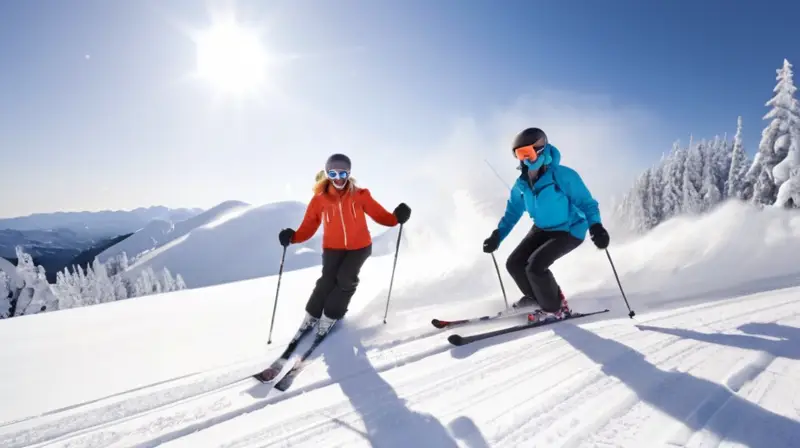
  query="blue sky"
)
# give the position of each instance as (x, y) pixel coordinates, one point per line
(101, 112)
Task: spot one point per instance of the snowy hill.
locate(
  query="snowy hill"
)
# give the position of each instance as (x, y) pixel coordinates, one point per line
(161, 231)
(240, 243)
(702, 363)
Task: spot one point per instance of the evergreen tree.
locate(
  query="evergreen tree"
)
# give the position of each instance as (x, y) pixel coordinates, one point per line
(709, 189)
(672, 190)
(735, 186)
(640, 205)
(655, 194)
(789, 193)
(5, 293)
(777, 139)
(693, 180)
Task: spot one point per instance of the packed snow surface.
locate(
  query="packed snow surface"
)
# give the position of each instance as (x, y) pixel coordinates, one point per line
(711, 358)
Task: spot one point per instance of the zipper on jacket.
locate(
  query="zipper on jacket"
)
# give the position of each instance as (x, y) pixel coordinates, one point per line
(344, 228)
(353, 207)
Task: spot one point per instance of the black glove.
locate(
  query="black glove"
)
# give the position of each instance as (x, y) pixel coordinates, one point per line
(285, 237)
(492, 243)
(402, 212)
(599, 235)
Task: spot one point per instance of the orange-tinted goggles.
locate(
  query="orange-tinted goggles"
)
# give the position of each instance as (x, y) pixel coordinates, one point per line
(529, 153)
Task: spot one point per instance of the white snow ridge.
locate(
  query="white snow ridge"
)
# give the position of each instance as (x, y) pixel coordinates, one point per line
(712, 357)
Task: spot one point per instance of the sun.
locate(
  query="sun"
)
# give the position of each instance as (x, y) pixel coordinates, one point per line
(231, 58)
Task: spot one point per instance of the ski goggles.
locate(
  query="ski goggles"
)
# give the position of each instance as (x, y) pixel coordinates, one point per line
(529, 153)
(338, 174)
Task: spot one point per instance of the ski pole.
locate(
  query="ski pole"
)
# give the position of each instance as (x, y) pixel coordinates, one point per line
(630, 313)
(277, 291)
(502, 288)
(391, 282)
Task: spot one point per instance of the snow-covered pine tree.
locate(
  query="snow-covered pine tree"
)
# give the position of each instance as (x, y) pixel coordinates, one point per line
(776, 140)
(709, 189)
(722, 163)
(636, 211)
(5, 293)
(789, 193)
(36, 294)
(179, 283)
(655, 193)
(105, 290)
(641, 208)
(167, 280)
(672, 180)
(693, 180)
(623, 212)
(737, 186)
(787, 146)
(89, 286)
(144, 283)
(67, 290)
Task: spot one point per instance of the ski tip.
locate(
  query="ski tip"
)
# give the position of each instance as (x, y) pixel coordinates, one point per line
(455, 339)
(439, 323)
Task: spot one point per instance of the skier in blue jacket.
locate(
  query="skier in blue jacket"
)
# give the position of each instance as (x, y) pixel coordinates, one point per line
(562, 209)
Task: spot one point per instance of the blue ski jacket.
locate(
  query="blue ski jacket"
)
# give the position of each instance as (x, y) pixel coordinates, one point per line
(557, 201)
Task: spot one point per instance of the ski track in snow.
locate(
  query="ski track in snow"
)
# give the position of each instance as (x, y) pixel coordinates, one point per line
(542, 387)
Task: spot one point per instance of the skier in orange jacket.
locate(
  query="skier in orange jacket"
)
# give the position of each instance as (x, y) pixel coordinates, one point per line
(341, 207)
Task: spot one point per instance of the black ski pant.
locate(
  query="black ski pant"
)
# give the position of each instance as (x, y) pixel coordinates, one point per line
(529, 265)
(338, 282)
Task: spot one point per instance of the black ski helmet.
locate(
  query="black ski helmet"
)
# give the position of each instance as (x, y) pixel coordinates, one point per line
(338, 160)
(528, 137)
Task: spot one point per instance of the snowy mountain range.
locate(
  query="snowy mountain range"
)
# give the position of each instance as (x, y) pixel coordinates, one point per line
(98, 224)
(57, 240)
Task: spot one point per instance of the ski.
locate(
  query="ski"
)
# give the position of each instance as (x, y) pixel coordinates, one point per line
(439, 323)
(458, 340)
(300, 364)
(267, 375)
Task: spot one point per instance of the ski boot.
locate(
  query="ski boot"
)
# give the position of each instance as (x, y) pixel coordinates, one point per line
(325, 325)
(308, 322)
(276, 367)
(525, 302)
(563, 312)
(565, 309)
(541, 315)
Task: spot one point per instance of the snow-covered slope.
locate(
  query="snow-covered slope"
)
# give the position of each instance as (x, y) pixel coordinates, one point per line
(238, 245)
(173, 370)
(158, 232)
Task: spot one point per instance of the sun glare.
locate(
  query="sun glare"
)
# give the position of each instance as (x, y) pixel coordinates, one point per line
(231, 58)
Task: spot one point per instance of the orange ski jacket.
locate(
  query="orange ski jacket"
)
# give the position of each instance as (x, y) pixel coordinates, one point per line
(343, 216)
